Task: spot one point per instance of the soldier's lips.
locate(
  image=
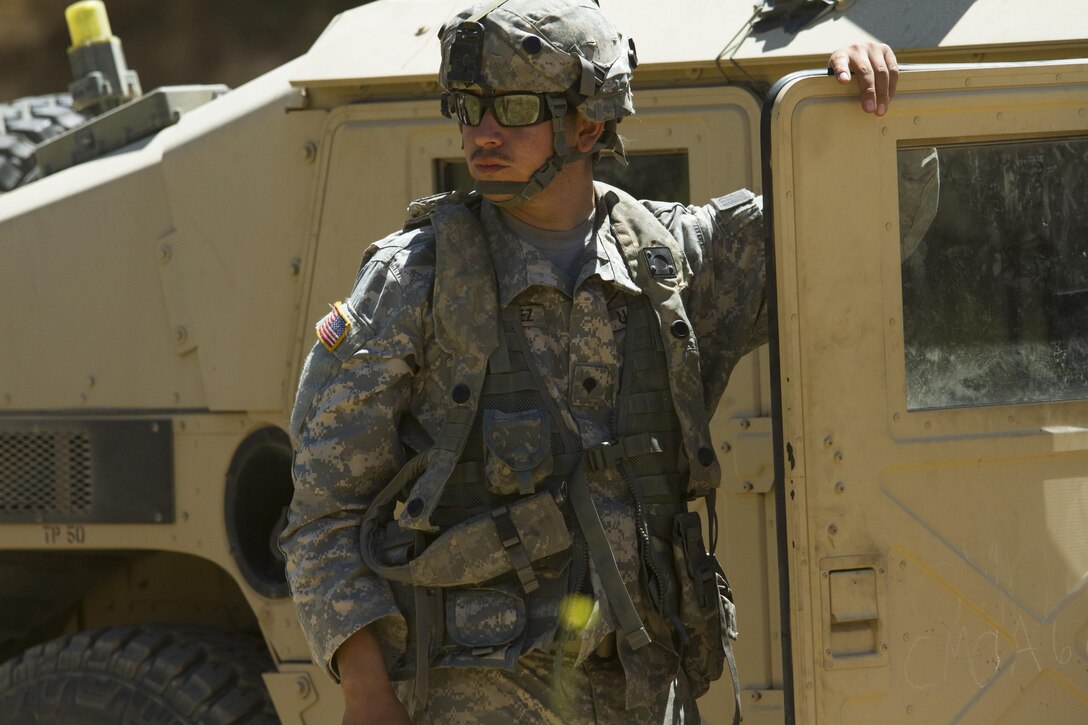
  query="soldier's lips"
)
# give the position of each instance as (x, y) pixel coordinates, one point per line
(489, 166)
(489, 162)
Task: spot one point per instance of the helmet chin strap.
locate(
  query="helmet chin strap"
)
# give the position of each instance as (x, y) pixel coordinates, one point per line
(522, 191)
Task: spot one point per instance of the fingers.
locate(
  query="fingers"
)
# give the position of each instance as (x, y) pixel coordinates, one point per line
(876, 69)
(839, 65)
(893, 72)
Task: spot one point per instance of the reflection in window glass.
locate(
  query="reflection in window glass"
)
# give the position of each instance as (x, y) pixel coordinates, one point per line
(994, 242)
(659, 175)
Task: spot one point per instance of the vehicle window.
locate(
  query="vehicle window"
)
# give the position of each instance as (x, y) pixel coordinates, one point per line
(661, 175)
(994, 242)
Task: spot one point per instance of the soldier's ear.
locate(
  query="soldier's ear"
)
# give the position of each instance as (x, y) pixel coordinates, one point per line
(587, 132)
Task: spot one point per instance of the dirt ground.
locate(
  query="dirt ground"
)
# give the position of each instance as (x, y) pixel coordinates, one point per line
(166, 41)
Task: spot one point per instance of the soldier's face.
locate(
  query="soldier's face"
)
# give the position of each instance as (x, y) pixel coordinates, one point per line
(499, 153)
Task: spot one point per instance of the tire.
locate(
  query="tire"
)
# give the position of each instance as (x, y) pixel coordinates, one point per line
(24, 125)
(140, 675)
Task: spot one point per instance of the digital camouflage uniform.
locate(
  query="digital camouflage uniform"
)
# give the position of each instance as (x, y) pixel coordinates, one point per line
(383, 392)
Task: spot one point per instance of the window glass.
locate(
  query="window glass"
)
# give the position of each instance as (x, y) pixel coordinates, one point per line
(661, 175)
(994, 242)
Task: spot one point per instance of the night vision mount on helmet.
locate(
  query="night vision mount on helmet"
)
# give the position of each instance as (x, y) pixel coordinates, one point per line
(566, 50)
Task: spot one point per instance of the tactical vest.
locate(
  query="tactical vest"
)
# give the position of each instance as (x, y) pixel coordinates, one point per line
(497, 525)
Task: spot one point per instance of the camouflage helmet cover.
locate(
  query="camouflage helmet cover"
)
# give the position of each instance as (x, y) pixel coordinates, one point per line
(548, 46)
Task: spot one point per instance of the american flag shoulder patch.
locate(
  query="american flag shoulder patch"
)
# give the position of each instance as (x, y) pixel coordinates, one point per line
(333, 328)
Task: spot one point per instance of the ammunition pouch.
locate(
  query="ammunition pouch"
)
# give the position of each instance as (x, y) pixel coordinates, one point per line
(519, 453)
(707, 612)
(477, 550)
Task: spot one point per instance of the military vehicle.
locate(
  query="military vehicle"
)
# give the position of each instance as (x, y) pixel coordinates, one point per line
(905, 494)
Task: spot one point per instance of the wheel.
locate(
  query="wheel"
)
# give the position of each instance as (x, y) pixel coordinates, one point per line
(140, 675)
(24, 125)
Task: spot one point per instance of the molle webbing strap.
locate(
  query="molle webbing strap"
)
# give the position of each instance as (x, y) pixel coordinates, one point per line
(731, 661)
(638, 233)
(466, 324)
(515, 549)
(619, 599)
(425, 600)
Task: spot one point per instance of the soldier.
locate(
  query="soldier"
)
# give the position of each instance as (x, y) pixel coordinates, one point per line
(498, 431)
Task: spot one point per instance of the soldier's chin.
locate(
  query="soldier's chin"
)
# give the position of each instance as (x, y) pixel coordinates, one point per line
(498, 197)
(504, 195)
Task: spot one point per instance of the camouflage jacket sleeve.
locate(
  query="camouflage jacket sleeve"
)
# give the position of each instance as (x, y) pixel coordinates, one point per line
(344, 430)
(727, 298)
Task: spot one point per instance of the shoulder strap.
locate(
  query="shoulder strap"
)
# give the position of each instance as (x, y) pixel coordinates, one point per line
(466, 324)
(660, 268)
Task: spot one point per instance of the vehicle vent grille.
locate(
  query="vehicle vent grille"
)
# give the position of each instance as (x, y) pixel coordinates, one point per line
(47, 472)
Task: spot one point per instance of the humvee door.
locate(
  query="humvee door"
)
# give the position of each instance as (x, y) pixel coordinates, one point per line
(932, 373)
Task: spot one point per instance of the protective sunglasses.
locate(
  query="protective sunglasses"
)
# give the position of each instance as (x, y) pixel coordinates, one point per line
(510, 109)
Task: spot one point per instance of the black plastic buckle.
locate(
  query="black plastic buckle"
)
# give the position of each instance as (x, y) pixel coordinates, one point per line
(603, 457)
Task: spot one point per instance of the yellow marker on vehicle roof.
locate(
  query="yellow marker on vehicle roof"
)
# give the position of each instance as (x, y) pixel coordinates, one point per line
(88, 23)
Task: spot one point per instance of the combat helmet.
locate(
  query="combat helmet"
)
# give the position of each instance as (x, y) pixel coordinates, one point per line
(565, 50)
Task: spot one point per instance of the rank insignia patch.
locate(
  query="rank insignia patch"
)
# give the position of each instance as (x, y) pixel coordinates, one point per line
(333, 328)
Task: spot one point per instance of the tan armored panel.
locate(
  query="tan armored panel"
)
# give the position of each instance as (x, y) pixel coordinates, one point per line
(933, 396)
